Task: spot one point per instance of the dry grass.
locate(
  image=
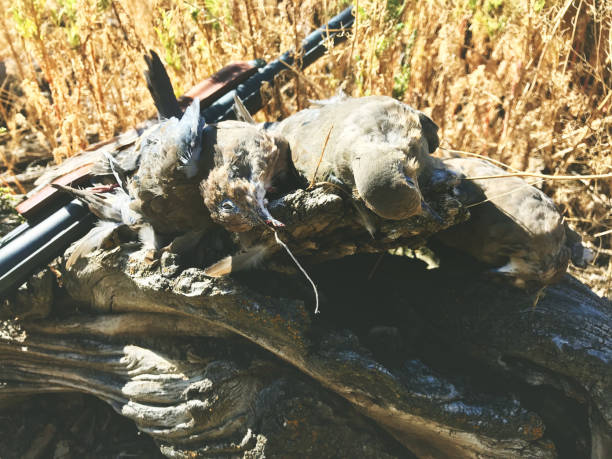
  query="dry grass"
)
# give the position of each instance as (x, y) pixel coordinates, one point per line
(525, 82)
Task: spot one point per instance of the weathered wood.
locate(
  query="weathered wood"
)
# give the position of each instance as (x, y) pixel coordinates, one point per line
(326, 224)
(131, 332)
(204, 397)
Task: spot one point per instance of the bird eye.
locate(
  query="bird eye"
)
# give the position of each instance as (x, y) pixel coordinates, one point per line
(227, 205)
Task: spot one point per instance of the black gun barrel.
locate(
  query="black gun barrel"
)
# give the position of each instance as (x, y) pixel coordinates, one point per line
(40, 243)
(22, 251)
(313, 47)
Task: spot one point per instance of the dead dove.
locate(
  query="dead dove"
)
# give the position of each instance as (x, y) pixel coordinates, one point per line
(182, 175)
(231, 164)
(377, 145)
(249, 162)
(513, 227)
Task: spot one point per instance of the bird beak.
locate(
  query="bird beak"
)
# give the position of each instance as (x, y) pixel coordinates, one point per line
(426, 208)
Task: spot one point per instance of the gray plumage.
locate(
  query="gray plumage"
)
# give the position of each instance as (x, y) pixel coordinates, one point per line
(187, 174)
(518, 230)
(112, 205)
(182, 176)
(377, 145)
(156, 196)
(117, 218)
(170, 167)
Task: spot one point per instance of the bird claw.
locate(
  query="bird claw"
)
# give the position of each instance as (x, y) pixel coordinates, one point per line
(275, 223)
(104, 188)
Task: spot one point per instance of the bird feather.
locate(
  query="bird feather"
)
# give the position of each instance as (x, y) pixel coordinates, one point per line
(189, 133)
(242, 114)
(248, 259)
(160, 87)
(93, 240)
(148, 238)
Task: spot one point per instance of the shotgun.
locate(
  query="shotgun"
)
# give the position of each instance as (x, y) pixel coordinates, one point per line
(47, 235)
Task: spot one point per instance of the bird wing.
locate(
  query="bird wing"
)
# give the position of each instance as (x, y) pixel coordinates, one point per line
(112, 206)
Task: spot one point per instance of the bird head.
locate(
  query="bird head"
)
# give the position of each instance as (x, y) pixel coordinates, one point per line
(541, 260)
(388, 184)
(532, 273)
(238, 204)
(558, 268)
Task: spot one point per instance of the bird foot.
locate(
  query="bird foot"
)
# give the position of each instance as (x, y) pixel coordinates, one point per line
(104, 188)
(275, 223)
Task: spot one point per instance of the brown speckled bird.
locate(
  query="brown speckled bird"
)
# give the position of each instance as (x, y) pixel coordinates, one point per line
(249, 162)
(183, 173)
(513, 226)
(157, 193)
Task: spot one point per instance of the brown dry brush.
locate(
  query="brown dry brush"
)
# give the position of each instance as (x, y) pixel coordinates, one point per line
(527, 83)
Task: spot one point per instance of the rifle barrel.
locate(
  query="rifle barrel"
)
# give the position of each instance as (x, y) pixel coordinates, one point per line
(41, 243)
(313, 47)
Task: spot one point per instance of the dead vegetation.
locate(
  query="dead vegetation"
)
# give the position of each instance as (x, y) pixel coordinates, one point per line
(526, 83)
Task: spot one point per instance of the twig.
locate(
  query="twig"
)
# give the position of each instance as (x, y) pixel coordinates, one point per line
(543, 176)
(355, 29)
(476, 155)
(22, 190)
(318, 89)
(575, 24)
(221, 21)
(503, 194)
(603, 233)
(314, 175)
(544, 47)
(284, 246)
(375, 267)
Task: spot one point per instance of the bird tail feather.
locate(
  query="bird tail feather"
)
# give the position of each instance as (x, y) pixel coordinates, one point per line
(160, 87)
(190, 132)
(91, 241)
(248, 259)
(100, 206)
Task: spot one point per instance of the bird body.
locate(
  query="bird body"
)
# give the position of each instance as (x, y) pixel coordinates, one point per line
(377, 145)
(182, 175)
(170, 166)
(185, 174)
(513, 226)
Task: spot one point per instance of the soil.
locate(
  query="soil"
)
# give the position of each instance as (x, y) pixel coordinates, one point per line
(65, 426)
